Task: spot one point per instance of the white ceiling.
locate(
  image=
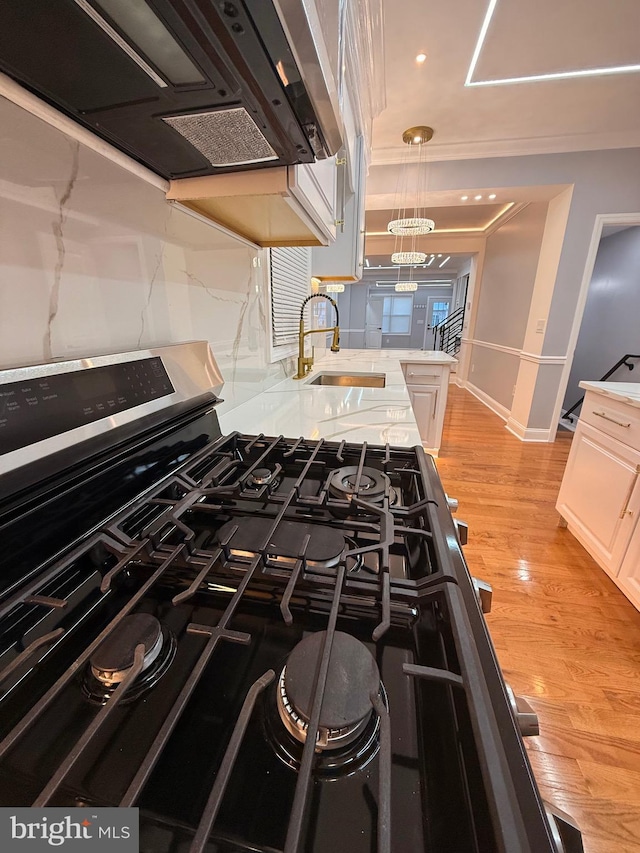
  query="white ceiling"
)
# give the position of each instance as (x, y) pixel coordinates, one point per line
(523, 38)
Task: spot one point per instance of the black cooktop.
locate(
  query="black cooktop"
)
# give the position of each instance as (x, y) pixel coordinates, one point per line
(271, 644)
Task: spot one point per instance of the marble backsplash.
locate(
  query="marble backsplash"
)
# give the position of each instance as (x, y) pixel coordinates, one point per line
(94, 260)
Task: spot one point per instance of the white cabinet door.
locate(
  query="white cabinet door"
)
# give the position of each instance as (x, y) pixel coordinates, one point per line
(597, 492)
(313, 185)
(344, 259)
(629, 575)
(424, 399)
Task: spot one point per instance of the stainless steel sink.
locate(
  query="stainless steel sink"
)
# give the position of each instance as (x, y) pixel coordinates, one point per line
(349, 380)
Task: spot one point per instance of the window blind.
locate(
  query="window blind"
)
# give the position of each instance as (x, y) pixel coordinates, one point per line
(290, 284)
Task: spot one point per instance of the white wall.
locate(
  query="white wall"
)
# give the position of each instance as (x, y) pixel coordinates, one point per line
(93, 260)
(611, 321)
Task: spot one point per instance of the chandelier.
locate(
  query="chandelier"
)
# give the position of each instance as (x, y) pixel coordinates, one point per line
(334, 288)
(410, 258)
(410, 221)
(404, 286)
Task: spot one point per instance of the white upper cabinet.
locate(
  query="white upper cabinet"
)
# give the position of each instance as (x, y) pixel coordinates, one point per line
(344, 259)
(318, 204)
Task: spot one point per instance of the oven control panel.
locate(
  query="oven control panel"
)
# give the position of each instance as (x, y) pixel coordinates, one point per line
(41, 407)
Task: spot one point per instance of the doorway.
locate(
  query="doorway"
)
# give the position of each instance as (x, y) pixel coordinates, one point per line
(599, 337)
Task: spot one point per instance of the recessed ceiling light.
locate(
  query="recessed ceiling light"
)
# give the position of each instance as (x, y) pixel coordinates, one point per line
(439, 256)
(464, 198)
(492, 196)
(421, 57)
(445, 261)
(477, 197)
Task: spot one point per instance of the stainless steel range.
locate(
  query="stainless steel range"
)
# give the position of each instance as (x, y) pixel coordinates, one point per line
(263, 643)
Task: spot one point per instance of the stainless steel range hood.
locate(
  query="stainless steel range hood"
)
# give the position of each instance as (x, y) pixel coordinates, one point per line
(186, 87)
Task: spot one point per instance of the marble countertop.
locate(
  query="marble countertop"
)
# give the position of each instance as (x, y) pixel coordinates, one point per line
(376, 415)
(625, 392)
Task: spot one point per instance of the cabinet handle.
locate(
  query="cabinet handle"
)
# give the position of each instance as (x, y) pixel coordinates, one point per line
(435, 406)
(607, 418)
(341, 163)
(624, 510)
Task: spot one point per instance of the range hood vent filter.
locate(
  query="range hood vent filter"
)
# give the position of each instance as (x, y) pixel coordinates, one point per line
(224, 137)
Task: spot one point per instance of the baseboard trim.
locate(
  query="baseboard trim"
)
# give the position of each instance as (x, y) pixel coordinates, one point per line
(527, 433)
(497, 408)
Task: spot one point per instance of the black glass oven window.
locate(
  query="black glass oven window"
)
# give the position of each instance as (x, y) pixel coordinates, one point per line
(36, 409)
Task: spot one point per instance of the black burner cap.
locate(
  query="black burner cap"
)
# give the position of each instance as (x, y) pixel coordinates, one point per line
(117, 652)
(373, 484)
(325, 544)
(260, 476)
(353, 676)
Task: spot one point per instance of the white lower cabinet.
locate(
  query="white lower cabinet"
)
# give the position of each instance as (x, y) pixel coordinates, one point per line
(599, 500)
(629, 575)
(596, 493)
(428, 385)
(424, 399)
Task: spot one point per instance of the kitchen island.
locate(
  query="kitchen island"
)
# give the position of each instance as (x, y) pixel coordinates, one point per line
(599, 498)
(407, 411)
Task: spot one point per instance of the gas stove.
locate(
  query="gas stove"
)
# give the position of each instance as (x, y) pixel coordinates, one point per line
(263, 643)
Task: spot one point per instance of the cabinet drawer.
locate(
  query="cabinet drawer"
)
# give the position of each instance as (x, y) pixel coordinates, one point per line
(419, 373)
(613, 418)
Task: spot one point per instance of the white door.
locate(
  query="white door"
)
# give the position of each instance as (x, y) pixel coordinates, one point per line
(437, 311)
(373, 323)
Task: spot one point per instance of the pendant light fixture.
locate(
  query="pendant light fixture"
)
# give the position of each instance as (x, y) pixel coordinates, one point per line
(406, 286)
(410, 221)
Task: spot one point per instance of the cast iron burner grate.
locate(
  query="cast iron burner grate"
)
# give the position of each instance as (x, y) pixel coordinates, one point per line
(146, 560)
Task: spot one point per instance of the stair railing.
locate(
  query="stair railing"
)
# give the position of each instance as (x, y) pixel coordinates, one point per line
(447, 334)
(618, 364)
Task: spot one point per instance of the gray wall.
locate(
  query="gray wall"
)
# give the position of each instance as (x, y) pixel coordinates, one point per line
(352, 304)
(504, 297)
(494, 372)
(611, 322)
(508, 276)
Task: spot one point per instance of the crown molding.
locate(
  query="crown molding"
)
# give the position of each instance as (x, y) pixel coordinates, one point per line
(480, 150)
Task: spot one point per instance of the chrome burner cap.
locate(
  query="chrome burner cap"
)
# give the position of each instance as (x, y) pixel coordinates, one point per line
(113, 659)
(346, 709)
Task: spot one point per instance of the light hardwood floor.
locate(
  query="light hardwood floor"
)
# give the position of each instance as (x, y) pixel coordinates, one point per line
(566, 637)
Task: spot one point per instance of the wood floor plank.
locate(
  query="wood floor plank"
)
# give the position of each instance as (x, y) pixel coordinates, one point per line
(610, 782)
(556, 774)
(565, 635)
